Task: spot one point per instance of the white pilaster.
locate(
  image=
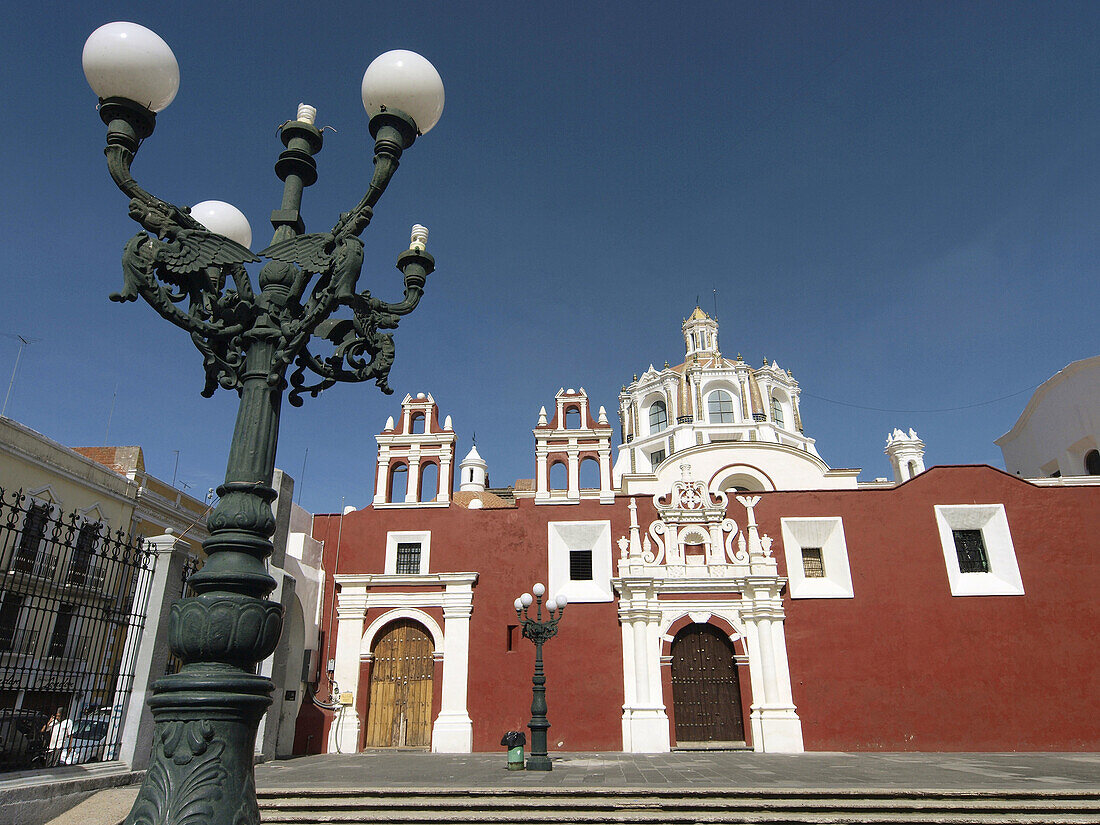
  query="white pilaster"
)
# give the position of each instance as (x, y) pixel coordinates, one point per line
(350, 612)
(453, 731)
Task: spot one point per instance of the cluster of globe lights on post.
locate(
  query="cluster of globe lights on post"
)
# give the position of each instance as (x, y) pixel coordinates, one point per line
(206, 716)
(539, 631)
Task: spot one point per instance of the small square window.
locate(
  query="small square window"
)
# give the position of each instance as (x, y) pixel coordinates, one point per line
(656, 457)
(408, 558)
(971, 551)
(813, 563)
(580, 565)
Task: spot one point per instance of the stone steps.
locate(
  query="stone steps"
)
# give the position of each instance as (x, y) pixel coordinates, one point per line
(536, 806)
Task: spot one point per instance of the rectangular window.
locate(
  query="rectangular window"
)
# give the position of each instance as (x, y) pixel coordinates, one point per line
(81, 558)
(813, 563)
(971, 551)
(34, 530)
(408, 559)
(580, 565)
(11, 604)
(656, 457)
(59, 641)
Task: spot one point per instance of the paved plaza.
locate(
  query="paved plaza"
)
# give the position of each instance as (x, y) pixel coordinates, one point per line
(698, 769)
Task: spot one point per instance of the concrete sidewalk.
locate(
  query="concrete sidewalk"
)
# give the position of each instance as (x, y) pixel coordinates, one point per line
(692, 769)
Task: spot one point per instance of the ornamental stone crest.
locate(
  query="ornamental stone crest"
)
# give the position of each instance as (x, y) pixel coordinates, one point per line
(693, 537)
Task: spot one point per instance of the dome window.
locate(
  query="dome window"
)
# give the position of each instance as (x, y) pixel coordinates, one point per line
(777, 412)
(720, 408)
(658, 417)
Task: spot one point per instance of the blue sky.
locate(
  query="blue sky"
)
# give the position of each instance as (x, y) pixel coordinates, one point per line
(898, 202)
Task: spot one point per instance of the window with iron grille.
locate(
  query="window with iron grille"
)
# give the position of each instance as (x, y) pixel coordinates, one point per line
(34, 530)
(813, 563)
(59, 639)
(580, 565)
(81, 558)
(408, 558)
(720, 407)
(971, 551)
(11, 605)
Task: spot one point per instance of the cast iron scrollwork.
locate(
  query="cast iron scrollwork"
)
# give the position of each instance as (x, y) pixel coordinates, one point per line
(197, 279)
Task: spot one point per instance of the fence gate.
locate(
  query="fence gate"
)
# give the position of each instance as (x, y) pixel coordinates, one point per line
(72, 608)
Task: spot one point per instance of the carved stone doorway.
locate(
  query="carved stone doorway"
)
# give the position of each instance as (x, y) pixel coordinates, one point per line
(706, 694)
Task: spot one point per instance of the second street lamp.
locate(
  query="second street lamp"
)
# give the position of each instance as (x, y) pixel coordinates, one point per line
(539, 632)
(189, 265)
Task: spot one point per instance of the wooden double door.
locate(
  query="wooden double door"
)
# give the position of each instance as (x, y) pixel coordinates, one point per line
(706, 694)
(400, 710)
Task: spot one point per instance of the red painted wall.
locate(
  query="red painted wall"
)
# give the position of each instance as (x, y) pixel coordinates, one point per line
(902, 666)
(508, 549)
(907, 666)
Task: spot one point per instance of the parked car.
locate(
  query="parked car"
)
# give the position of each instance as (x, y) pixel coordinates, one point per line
(89, 736)
(22, 742)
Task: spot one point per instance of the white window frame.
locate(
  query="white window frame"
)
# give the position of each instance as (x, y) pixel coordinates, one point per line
(828, 534)
(396, 537)
(1003, 578)
(563, 536)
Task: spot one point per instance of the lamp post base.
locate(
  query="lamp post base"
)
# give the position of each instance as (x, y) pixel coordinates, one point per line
(539, 763)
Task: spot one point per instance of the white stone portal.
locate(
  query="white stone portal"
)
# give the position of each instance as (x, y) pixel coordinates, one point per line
(660, 582)
(452, 731)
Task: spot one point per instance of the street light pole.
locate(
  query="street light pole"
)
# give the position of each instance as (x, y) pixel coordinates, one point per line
(539, 632)
(189, 265)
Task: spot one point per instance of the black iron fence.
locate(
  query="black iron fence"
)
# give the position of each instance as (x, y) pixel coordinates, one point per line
(72, 608)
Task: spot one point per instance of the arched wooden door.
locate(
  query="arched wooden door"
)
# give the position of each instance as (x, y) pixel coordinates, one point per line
(400, 712)
(706, 695)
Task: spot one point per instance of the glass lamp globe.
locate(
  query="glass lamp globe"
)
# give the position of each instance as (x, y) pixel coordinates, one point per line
(538, 589)
(526, 599)
(404, 80)
(551, 605)
(225, 219)
(519, 604)
(130, 61)
(562, 600)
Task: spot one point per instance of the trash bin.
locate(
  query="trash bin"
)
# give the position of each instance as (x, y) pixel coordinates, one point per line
(514, 740)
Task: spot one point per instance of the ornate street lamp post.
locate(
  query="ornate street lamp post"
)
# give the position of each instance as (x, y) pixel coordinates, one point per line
(189, 265)
(539, 632)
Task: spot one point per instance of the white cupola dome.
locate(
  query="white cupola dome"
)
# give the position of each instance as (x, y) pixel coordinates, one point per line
(473, 472)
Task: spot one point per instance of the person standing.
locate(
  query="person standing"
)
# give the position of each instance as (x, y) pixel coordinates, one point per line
(59, 729)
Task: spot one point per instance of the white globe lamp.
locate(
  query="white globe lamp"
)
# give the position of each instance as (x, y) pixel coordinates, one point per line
(405, 81)
(225, 219)
(127, 60)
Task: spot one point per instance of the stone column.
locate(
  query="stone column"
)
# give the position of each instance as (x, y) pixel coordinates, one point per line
(645, 723)
(382, 475)
(542, 475)
(574, 475)
(444, 492)
(152, 646)
(607, 495)
(413, 487)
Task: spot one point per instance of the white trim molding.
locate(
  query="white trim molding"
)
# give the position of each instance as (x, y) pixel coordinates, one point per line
(452, 731)
(563, 536)
(395, 537)
(828, 534)
(1003, 578)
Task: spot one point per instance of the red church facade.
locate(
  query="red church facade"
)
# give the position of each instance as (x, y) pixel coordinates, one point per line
(716, 596)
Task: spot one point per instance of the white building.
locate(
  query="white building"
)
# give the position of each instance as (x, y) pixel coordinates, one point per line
(1058, 433)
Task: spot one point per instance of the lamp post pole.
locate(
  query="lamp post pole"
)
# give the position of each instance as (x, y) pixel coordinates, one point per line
(189, 265)
(539, 631)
